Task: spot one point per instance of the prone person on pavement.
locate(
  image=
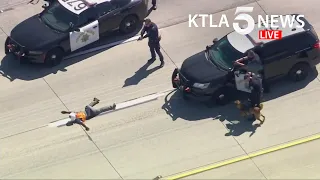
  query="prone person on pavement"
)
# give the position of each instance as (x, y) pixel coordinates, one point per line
(89, 113)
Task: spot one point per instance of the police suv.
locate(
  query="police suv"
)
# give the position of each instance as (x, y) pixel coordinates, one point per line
(211, 75)
(67, 25)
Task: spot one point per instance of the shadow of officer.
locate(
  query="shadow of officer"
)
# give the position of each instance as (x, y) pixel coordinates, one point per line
(152, 32)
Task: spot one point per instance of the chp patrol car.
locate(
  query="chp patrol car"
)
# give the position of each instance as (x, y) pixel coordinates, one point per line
(65, 26)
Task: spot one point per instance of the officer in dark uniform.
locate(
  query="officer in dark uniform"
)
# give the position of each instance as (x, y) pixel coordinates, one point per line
(154, 4)
(255, 85)
(154, 40)
(256, 94)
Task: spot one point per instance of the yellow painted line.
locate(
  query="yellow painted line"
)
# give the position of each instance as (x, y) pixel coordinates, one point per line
(245, 157)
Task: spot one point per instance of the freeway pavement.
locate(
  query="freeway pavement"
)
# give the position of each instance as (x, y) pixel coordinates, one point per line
(162, 137)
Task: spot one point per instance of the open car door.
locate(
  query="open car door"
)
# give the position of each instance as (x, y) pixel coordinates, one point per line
(87, 35)
(241, 84)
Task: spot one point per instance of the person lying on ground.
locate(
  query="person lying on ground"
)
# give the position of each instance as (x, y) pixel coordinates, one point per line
(88, 113)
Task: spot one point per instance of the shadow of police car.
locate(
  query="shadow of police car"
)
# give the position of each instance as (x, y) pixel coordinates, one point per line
(66, 26)
(210, 75)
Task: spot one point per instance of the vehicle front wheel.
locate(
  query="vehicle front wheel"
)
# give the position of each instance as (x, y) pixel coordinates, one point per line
(299, 72)
(221, 97)
(54, 57)
(129, 24)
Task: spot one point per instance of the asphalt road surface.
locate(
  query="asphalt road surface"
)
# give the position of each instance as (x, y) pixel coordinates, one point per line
(164, 137)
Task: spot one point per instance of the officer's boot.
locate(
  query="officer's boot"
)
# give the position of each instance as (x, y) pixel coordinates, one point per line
(96, 99)
(114, 106)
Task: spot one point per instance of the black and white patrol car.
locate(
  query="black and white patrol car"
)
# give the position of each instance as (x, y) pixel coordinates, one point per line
(65, 26)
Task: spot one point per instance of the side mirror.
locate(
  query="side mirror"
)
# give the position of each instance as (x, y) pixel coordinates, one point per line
(77, 30)
(215, 40)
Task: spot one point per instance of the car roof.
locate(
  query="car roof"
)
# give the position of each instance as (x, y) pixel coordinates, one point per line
(72, 8)
(245, 42)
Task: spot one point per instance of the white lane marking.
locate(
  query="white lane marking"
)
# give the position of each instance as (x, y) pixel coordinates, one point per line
(62, 122)
(120, 106)
(102, 47)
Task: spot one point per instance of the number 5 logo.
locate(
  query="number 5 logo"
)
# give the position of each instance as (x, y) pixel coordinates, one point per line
(244, 17)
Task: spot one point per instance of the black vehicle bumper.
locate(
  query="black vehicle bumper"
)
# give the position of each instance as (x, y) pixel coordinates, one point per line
(21, 53)
(186, 88)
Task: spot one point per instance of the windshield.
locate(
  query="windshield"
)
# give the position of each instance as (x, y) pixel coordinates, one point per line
(58, 17)
(223, 54)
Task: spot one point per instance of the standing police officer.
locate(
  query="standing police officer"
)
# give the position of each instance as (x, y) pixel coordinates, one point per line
(255, 86)
(154, 40)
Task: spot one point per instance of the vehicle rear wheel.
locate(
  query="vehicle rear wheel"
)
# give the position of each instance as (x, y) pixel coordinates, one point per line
(54, 57)
(129, 24)
(299, 72)
(221, 97)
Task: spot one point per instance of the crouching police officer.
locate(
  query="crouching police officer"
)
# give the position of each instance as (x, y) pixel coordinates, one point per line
(89, 113)
(154, 40)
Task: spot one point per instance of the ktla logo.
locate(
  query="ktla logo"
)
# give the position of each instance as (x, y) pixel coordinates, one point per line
(269, 24)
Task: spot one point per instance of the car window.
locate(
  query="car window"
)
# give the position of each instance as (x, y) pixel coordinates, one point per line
(313, 33)
(301, 41)
(105, 8)
(58, 17)
(224, 54)
(274, 49)
(286, 46)
(87, 16)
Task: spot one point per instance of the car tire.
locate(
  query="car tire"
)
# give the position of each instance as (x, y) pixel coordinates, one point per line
(174, 75)
(221, 97)
(299, 72)
(54, 57)
(129, 24)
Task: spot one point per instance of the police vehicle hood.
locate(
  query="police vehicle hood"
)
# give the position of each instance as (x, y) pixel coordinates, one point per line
(199, 70)
(32, 33)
